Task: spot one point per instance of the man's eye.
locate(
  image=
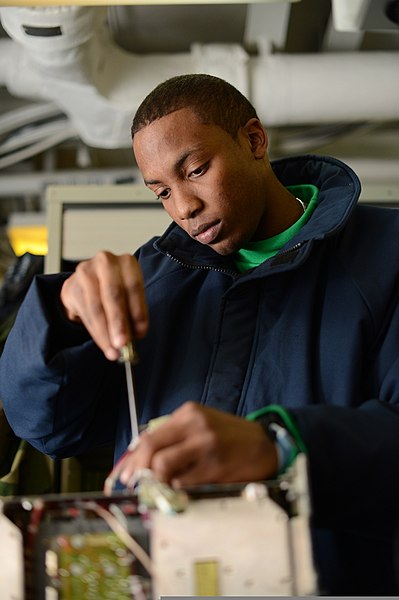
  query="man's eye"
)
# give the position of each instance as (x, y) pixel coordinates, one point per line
(199, 170)
(164, 195)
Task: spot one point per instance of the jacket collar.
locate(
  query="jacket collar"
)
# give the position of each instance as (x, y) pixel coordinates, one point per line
(339, 190)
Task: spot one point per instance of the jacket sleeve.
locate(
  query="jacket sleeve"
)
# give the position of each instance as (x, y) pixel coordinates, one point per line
(354, 484)
(60, 393)
(353, 457)
(353, 463)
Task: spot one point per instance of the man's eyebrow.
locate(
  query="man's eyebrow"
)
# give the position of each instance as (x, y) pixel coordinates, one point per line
(177, 166)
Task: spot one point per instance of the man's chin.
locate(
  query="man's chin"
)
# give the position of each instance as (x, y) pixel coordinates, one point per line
(224, 248)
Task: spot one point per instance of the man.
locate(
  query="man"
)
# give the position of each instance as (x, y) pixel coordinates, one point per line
(272, 299)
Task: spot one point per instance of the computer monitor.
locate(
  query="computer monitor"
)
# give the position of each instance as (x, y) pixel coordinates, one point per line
(82, 219)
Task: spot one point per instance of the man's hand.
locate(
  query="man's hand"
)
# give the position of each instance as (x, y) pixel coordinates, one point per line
(106, 294)
(202, 445)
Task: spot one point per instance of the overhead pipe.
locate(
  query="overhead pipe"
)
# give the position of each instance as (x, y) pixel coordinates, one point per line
(341, 87)
(65, 55)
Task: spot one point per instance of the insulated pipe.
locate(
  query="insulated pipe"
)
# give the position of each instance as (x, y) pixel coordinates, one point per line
(54, 36)
(93, 81)
(7, 50)
(99, 85)
(340, 87)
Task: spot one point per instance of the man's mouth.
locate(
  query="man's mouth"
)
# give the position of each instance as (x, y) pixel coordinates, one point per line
(207, 232)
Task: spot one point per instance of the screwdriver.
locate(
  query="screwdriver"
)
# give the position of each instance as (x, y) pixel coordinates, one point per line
(129, 356)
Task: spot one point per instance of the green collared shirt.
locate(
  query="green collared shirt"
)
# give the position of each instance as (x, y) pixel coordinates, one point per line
(255, 253)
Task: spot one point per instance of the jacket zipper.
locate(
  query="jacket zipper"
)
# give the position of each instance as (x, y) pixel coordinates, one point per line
(294, 248)
(203, 267)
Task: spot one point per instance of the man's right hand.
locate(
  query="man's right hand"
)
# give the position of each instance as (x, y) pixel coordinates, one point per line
(106, 294)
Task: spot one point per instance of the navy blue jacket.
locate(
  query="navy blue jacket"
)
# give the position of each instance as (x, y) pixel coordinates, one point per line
(314, 329)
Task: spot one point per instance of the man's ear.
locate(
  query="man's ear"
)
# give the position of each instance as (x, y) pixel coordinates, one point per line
(257, 137)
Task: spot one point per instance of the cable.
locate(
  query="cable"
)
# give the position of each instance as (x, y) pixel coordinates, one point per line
(26, 115)
(119, 514)
(23, 138)
(67, 133)
(312, 138)
(115, 525)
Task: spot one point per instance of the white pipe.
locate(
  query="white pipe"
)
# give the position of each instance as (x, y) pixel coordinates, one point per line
(99, 86)
(93, 81)
(35, 183)
(339, 87)
(7, 48)
(56, 38)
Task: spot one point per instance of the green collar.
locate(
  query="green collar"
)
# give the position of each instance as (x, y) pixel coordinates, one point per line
(255, 253)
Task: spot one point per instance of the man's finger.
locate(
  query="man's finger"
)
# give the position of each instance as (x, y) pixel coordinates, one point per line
(135, 295)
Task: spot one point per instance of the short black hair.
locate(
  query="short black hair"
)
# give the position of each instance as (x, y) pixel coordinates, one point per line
(213, 100)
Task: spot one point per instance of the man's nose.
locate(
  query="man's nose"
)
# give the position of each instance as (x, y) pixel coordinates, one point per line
(187, 203)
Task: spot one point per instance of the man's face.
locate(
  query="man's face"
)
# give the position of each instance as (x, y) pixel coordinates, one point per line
(211, 185)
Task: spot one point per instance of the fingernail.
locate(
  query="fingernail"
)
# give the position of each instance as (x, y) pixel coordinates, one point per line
(124, 477)
(118, 340)
(111, 353)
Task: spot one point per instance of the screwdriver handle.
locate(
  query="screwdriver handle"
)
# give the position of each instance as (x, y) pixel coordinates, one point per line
(128, 353)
